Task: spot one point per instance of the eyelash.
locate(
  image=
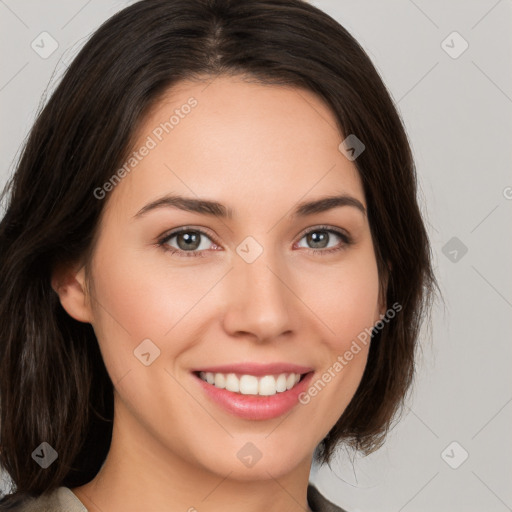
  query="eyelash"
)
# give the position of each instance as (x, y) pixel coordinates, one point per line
(162, 242)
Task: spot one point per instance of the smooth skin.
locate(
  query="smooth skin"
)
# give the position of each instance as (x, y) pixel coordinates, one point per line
(260, 150)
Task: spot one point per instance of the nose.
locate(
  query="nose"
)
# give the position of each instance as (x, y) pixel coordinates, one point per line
(260, 299)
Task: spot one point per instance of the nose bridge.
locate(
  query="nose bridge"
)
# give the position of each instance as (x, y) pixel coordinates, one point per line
(259, 299)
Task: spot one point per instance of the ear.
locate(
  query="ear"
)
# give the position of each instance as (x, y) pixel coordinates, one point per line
(68, 281)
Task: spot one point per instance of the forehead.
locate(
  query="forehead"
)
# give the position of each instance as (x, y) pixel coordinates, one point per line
(249, 145)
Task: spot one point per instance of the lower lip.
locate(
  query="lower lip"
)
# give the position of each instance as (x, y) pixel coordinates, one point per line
(256, 407)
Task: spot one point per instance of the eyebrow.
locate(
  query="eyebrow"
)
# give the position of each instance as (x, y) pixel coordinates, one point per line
(215, 209)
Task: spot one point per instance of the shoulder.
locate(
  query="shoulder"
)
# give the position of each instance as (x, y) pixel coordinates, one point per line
(319, 503)
(61, 499)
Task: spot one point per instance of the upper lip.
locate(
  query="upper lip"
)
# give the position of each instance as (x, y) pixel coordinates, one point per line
(256, 369)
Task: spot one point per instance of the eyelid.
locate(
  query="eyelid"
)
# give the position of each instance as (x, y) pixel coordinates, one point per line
(200, 229)
(325, 227)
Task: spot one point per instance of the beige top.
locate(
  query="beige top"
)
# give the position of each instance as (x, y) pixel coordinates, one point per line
(64, 499)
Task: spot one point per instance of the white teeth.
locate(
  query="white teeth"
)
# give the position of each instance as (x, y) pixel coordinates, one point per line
(251, 385)
(267, 386)
(219, 381)
(248, 385)
(232, 383)
(281, 383)
(290, 381)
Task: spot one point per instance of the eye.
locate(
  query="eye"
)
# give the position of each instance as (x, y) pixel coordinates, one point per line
(320, 237)
(189, 242)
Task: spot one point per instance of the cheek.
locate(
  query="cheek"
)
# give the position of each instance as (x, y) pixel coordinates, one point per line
(131, 303)
(345, 298)
(347, 302)
(144, 296)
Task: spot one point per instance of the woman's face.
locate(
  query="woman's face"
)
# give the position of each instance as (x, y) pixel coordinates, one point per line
(260, 286)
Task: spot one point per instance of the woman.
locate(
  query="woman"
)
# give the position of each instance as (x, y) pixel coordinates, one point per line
(213, 265)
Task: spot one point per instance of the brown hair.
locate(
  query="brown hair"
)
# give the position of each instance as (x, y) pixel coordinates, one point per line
(53, 383)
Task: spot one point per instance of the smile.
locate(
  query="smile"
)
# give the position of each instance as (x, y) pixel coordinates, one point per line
(265, 385)
(254, 391)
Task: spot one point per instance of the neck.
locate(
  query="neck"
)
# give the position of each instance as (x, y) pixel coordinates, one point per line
(141, 473)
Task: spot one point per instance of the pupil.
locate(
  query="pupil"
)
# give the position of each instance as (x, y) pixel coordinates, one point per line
(190, 238)
(318, 237)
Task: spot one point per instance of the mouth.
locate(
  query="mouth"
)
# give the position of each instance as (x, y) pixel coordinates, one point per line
(254, 392)
(246, 384)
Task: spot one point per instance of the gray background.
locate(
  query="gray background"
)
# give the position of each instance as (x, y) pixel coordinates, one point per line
(458, 113)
